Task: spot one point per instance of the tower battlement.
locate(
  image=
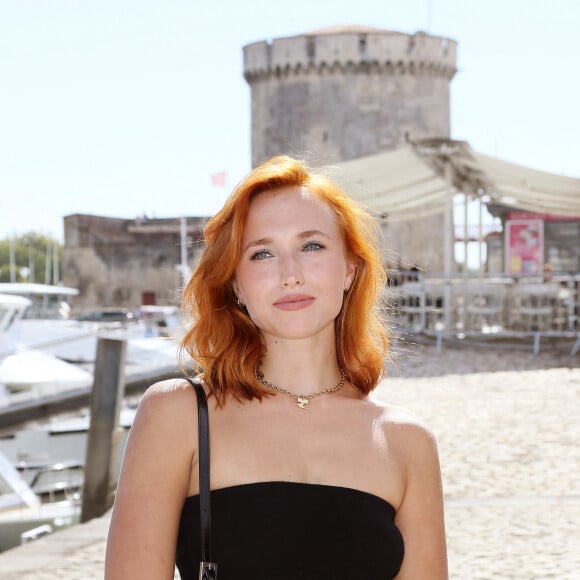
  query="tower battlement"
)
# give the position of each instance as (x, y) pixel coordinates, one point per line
(352, 49)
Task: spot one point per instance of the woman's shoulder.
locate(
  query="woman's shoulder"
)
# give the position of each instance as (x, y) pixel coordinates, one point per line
(403, 426)
(170, 402)
(169, 389)
(169, 392)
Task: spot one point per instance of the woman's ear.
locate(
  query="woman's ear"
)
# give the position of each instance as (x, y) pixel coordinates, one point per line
(350, 274)
(234, 287)
(237, 292)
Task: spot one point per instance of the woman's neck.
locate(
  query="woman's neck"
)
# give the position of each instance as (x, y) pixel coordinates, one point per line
(299, 367)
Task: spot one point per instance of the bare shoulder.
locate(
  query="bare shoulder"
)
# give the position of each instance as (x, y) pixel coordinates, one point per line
(168, 406)
(164, 432)
(170, 387)
(168, 394)
(405, 429)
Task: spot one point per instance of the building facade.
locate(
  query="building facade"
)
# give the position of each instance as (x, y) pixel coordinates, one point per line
(127, 262)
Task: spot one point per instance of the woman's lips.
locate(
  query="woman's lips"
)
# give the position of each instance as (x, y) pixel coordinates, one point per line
(294, 302)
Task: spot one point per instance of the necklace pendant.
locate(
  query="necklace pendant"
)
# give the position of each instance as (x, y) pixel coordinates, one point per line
(302, 403)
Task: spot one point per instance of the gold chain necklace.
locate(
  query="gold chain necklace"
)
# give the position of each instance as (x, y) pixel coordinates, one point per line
(302, 400)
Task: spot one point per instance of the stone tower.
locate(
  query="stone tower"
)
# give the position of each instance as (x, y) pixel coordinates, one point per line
(346, 92)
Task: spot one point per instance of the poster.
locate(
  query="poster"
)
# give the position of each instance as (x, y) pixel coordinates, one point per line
(524, 246)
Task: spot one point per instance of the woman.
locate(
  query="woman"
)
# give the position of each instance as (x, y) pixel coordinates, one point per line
(311, 477)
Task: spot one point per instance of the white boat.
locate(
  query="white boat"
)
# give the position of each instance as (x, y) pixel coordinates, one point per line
(12, 308)
(42, 476)
(46, 325)
(47, 302)
(37, 458)
(62, 440)
(23, 515)
(44, 329)
(25, 370)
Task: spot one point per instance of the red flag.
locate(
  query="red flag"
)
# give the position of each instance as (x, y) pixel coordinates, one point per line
(219, 179)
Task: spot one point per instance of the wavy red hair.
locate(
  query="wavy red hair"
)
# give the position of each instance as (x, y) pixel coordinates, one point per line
(224, 343)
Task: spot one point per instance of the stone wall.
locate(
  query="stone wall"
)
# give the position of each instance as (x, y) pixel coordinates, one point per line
(416, 242)
(119, 262)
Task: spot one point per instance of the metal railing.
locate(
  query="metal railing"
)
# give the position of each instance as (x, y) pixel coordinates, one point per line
(485, 306)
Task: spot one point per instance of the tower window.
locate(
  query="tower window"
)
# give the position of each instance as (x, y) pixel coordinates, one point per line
(310, 48)
(362, 43)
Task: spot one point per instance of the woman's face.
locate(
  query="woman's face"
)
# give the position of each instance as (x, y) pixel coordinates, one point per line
(293, 268)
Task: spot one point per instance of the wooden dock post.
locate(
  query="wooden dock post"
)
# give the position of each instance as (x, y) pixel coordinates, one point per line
(104, 431)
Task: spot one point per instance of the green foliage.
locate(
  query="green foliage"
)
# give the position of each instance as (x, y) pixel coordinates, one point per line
(30, 253)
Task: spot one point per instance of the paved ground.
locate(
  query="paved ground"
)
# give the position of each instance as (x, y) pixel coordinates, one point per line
(509, 442)
(508, 428)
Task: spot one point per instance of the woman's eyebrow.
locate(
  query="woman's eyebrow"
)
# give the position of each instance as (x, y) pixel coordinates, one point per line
(311, 233)
(301, 236)
(260, 242)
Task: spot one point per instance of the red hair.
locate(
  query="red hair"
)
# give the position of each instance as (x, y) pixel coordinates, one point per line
(225, 344)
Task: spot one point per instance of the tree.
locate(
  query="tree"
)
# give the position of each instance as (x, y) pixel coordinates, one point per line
(31, 251)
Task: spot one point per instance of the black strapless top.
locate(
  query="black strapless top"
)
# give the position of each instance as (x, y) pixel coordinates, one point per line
(293, 531)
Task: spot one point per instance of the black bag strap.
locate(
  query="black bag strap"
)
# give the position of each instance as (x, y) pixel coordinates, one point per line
(207, 568)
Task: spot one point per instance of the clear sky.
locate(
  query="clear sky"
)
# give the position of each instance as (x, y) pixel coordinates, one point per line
(126, 107)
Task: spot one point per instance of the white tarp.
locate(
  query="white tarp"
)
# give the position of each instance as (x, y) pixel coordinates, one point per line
(529, 189)
(416, 180)
(396, 183)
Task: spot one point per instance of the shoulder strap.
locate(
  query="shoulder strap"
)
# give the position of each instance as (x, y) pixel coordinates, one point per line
(208, 569)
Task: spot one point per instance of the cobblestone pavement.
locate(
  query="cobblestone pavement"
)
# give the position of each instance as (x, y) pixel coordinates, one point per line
(508, 432)
(509, 443)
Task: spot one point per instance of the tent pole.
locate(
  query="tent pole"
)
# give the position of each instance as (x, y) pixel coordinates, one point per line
(448, 233)
(449, 245)
(480, 238)
(465, 233)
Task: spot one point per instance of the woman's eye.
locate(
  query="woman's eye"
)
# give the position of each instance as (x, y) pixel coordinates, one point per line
(312, 246)
(261, 255)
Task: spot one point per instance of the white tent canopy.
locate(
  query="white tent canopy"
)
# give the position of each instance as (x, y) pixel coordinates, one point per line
(529, 189)
(418, 179)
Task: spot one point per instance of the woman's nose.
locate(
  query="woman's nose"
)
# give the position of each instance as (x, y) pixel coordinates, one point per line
(290, 272)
